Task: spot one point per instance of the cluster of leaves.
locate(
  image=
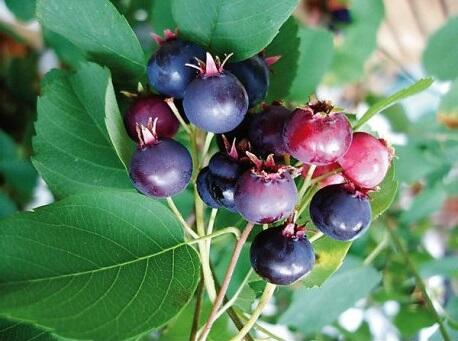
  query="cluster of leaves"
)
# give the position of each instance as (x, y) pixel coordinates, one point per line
(107, 263)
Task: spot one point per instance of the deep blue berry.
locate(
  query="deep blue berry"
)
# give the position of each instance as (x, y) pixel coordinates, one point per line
(222, 165)
(340, 213)
(279, 258)
(254, 75)
(203, 188)
(161, 168)
(217, 103)
(167, 72)
(222, 190)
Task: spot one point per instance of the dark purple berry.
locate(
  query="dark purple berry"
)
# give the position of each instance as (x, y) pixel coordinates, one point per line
(203, 188)
(240, 134)
(161, 169)
(216, 101)
(266, 130)
(223, 165)
(281, 258)
(167, 70)
(151, 107)
(340, 212)
(265, 198)
(222, 190)
(253, 73)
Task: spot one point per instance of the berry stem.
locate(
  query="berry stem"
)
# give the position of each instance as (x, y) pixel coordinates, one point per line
(305, 201)
(197, 310)
(227, 279)
(208, 141)
(325, 175)
(233, 230)
(257, 326)
(316, 236)
(307, 181)
(375, 252)
(390, 226)
(263, 301)
(183, 222)
(175, 111)
(211, 224)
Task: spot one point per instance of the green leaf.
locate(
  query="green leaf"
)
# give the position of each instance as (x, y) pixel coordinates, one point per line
(286, 45)
(8, 148)
(441, 53)
(68, 52)
(104, 265)
(359, 40)
(312, 309)
(98, 29)
(19, 331)
(72, 148)
(316, 51)
(161, 16)
(7, 207)
(411, 319)
(329, 256)
(23, 9)
(414, 89)
(241, 27)
(116, 129)
(448, 108)
(382, 199)
(445, 266)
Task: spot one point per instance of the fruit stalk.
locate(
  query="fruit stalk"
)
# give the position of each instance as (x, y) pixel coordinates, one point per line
(227, 278)
(421, 285)
(197, 310)
(264, 300)
(183, 222)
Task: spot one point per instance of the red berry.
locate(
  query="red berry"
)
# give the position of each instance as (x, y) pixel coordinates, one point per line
(367, 161)
(151, 107)
(317, 138)
(333, 179)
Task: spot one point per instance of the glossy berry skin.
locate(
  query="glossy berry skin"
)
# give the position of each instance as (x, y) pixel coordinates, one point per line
(265, 132)
(152, 107)
(161, 169)
(253, 73)
(217, 103)
(367, 161)
(280, 259)
(340, 213)
(264, 200)
(167, 72)
(322, 170)
(203, 188)
(222, 190)
(224, 166)
(318, 139)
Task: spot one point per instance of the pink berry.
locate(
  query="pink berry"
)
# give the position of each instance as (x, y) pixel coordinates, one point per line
(152, 107)
(367, 160)
(333, 179)
(317, 138)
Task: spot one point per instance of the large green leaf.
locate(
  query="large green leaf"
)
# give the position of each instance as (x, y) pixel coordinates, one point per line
(385, 103)
(22, 9)
(19, 331)
(316, 50)
(161, 16)
(441, 53)
(359, 40)
(314, 308)
(382, 199)
(329, 256)
(97, 28)
(72, 147)
(286, 45)
(106, 266)
(241, 27)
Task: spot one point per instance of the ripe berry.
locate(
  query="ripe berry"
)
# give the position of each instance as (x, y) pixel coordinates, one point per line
(367, 161)
(151, 107)
(253, 73)
(222, 190)
(167, 70)
(216, 101)
(160, 167)
(333, 179)
(203, 188)
(317, 138)
(280, 257)
(223, 165)
(340, 212)
(266, 129)
(264, 197)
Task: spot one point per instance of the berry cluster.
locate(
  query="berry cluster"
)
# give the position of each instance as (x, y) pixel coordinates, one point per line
(253, 173)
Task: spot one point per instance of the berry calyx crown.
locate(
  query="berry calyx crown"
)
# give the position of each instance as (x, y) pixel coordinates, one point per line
(168, 35)
(293, 231)
(268, 169)
(147, 135)
(211, 67)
